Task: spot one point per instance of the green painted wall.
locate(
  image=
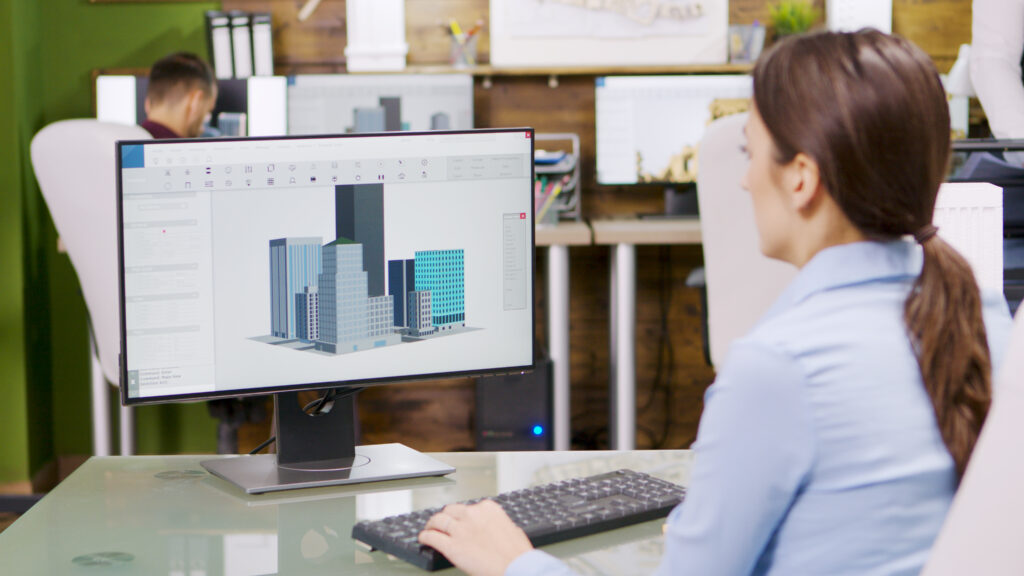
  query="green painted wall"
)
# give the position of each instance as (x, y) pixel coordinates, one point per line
(49, 50)
(13, 381)
(81, 37)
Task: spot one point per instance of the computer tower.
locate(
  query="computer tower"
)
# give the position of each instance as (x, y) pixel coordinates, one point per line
(514, 412)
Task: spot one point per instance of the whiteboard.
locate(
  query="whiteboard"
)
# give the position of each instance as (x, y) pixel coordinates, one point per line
(551, 33)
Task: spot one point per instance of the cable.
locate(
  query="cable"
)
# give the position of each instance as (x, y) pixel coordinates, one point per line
(321, 405)
(265, 443)
(666, 355)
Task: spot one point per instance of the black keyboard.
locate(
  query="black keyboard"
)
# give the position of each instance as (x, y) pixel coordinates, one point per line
(548, 513)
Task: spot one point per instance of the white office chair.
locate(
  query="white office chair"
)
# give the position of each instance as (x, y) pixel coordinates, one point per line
(740, 282)
(75, 166)
(982, 532)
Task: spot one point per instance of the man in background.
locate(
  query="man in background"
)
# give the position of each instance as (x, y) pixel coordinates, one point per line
(180, 97)
(181, 94)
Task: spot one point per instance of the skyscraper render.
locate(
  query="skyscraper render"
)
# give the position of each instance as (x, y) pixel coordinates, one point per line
(401, 276)
(442, 273)
(294, 265)
(350, 320)
(359, 217)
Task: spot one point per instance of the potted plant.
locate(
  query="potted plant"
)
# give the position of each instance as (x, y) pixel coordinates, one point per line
(793, 17)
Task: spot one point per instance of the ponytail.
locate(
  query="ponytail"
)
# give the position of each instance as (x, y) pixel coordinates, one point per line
(945, 324)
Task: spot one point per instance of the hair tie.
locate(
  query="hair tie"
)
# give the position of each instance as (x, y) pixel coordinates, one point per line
(925, 233)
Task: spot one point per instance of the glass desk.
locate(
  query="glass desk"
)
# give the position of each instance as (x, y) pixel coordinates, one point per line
(165, 515)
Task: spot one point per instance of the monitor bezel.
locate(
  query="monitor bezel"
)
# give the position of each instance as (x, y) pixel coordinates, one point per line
(326, 385)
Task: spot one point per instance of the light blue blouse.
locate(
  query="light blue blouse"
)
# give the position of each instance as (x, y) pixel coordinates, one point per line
(818, 451)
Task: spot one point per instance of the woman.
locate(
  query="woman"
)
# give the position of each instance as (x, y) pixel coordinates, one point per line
(834, 438)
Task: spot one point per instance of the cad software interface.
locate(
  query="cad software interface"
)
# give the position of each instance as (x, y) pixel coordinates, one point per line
(267, 263)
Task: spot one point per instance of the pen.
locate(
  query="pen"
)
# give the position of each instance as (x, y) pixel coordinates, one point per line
(456, 30)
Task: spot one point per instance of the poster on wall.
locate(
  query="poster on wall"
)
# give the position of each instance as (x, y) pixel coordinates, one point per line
(608, 32)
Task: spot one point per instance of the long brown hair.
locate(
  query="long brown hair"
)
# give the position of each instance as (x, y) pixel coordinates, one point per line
(871, 111)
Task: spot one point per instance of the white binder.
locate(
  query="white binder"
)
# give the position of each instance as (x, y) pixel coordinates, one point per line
(218, 29)
(262, 44)
(241, 44)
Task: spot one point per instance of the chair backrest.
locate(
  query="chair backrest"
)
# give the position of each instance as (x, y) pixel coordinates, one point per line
(981, 534)
(741, 282)
(75, 166)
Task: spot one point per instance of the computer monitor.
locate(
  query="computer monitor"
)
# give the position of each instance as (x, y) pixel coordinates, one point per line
(275, 265)
(649, 128)
(255, 106)
(346, 103)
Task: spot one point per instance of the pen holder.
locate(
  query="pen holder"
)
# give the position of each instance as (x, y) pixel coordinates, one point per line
(463, 53)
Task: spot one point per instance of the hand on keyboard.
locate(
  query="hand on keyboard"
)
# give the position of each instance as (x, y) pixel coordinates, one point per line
(547, 513)
(480, 538)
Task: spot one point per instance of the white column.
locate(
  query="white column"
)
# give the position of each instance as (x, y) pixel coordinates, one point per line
(127, 414)
(558, 340)
(100, 404)
(622, 395)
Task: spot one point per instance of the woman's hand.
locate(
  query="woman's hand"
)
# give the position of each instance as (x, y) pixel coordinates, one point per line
(479, 539)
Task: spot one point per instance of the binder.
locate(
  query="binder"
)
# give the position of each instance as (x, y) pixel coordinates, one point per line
(262, 44)
(218, 34)
(241, 43)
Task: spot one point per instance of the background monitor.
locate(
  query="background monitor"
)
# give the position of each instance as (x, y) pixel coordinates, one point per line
(273, 265)
(259, 101)
(346, 103)
(649, 127)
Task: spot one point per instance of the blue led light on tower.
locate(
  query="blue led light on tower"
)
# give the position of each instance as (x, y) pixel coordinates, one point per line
(442, 273)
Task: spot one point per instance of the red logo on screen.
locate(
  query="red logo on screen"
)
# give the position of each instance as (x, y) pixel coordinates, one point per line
(527, 134)
(522, 215)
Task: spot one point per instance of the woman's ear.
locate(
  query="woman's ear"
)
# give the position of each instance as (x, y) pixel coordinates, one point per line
(802, 181)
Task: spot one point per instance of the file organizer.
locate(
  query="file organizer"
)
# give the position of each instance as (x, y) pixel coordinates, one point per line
(557, 177)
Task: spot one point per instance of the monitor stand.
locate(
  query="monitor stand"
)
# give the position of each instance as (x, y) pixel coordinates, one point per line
(319, 450)
(680, 204)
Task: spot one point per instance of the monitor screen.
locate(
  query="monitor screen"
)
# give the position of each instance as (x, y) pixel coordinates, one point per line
(270, 264)
(346, 103)
(251, 266)
(649, 127)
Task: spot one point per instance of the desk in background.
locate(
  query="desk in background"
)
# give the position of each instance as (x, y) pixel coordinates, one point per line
(623, 235)
(151, 515)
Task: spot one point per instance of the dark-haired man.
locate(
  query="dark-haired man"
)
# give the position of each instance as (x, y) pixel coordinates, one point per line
(181, 94)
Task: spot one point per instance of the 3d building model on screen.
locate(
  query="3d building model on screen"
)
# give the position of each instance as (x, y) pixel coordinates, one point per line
(388, 117)
(332, 297)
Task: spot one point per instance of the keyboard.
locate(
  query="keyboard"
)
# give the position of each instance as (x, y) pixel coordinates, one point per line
(548, 513)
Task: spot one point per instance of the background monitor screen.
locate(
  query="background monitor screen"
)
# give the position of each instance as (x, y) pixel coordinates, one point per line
(262, 265)
(346, 103)
(649, 127)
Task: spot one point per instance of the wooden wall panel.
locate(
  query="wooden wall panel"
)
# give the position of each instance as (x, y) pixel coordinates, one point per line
(318, 44)
(939, 27)
(426, 22)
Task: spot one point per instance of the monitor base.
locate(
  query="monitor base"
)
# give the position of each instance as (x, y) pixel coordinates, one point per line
(260, 473)
(680, 203)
